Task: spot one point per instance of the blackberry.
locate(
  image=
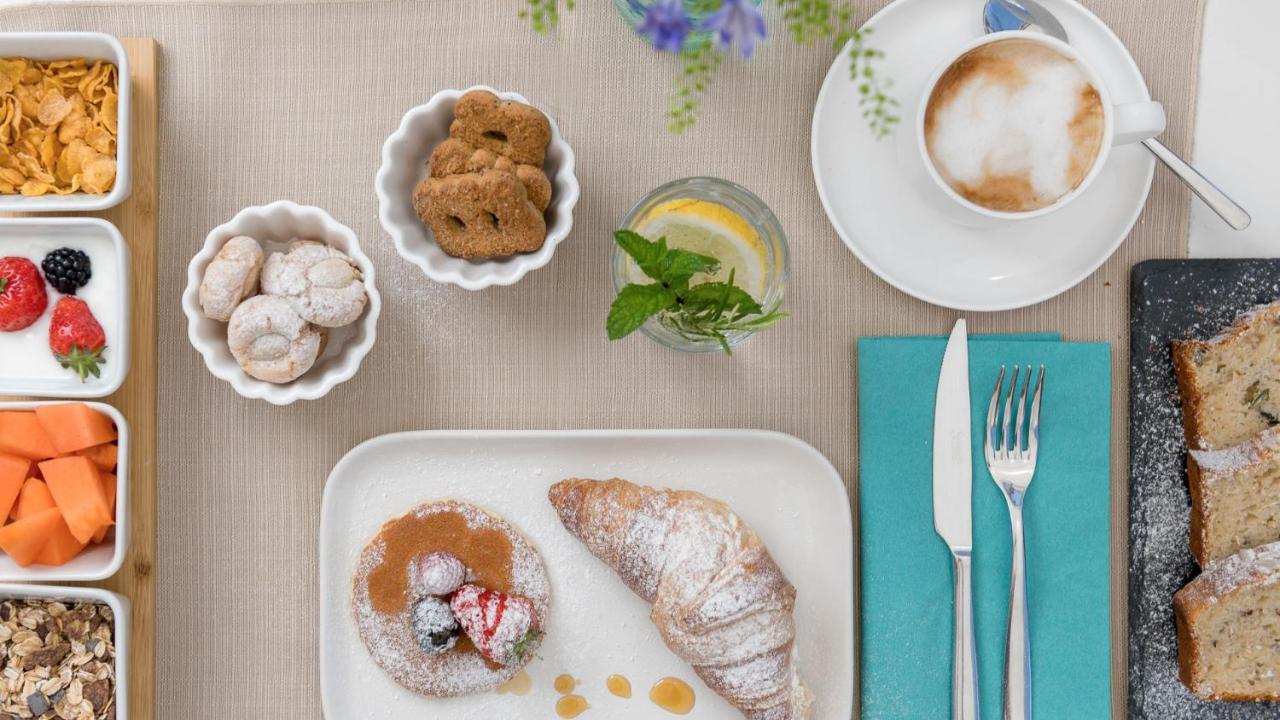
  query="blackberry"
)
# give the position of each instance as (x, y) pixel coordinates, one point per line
(67, 270)
(434, 626)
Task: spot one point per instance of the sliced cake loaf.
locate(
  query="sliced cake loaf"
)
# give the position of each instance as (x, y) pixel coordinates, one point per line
(1230, 385)
(1229, 628)
(1235, 497)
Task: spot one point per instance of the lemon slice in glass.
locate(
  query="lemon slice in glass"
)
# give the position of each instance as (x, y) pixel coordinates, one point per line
(708, 228)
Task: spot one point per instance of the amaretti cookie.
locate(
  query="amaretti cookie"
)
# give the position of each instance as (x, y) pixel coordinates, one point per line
(231, 277)
(271, 341)
(322, 283)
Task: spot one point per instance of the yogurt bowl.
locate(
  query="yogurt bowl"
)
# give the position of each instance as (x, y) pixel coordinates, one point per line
(27, 365)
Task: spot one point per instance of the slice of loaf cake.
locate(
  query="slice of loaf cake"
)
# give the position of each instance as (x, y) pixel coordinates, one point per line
(1230, 385)
(1235, 497)
(1229, 628)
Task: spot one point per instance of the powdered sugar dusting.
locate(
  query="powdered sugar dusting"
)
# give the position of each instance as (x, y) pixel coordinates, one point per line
(1254, 566)
(1173, 300)
(1230, 461)
(390, 639)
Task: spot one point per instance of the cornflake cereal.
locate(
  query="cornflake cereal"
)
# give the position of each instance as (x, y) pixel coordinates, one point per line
(58, 124)
(59, 660)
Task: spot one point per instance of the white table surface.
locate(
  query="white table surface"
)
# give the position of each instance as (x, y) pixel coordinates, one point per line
(1236, 143)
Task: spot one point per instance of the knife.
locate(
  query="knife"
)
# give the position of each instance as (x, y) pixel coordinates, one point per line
(953, 511)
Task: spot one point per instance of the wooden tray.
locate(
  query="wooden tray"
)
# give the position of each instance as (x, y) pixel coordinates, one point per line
(1172, 299)
(137, 220)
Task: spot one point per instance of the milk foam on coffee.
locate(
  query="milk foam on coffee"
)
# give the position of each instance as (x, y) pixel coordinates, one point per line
(1014, 125)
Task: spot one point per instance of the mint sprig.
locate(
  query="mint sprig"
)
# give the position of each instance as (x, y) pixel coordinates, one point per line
(706, 311)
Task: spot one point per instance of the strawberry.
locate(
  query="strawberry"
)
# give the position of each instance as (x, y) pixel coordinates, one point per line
(504, 628)
(22, 294)
(76, 338)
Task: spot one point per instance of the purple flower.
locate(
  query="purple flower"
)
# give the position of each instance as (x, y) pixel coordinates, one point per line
(737, 22)
(666, 25)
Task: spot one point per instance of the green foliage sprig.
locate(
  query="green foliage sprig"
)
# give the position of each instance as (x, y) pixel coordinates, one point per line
(705, 311)
(879, 107)
(698, 67)
(807, 21)
(544, 15)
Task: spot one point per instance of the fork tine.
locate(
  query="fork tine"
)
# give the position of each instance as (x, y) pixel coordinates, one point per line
(987, 444)
(1033, 437)
(1022, 412)
(1008, 408)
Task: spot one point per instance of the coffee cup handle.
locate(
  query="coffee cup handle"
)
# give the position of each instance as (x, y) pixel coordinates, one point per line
(1135, 122)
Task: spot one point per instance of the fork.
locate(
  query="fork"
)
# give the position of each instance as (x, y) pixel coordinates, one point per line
(1012, 466)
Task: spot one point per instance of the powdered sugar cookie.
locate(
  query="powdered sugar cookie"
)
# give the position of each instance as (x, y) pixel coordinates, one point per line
(231, 277)
(271, 341)
(322, 283)
(402, 624)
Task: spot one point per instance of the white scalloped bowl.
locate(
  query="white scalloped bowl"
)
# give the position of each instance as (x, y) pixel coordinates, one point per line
(404, 165)
(275, 225)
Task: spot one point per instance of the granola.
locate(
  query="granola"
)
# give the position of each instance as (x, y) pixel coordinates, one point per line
(59, 661)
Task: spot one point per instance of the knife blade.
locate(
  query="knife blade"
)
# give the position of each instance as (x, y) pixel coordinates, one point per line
(952, 446)
(953, 511)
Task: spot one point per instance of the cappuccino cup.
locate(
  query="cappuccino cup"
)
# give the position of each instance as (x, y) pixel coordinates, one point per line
(1016, 125)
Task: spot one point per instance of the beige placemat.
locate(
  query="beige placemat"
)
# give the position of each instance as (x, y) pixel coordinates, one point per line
(288, 101)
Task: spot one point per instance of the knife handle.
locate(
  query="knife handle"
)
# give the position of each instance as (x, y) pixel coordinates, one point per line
(964, 661)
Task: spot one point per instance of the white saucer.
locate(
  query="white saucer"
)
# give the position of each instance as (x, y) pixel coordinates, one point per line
(879, 215)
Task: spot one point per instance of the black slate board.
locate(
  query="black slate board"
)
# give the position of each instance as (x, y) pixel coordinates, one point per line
(1171, 300)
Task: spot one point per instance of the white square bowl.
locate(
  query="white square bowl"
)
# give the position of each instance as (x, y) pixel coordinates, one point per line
(104, 243)
(274, 226)
(97, 562)
(404, 165)
(91, 46)
(119, 633)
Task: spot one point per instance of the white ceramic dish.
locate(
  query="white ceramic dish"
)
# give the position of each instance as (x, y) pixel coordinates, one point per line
(880, 216)
(93, 46)
(781, 486)
(27, 365)
(404, 165)
(275, 225)
(97, 562)
(120, 633)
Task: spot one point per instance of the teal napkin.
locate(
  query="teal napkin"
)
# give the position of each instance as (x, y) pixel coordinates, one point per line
(906, 569)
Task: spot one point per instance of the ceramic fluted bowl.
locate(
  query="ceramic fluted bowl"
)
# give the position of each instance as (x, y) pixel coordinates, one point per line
(274, 226)
(404, 165)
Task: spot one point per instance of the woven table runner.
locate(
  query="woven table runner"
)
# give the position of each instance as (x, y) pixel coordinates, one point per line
(261, 102)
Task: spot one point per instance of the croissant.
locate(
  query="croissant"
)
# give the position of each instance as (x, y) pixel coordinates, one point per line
(719, 600)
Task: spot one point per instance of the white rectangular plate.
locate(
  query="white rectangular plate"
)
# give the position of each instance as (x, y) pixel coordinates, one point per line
(781, 486)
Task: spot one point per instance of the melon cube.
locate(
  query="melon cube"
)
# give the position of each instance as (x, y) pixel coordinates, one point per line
(33, 498)
(75, 426)
(23, 540)
(76, 486)
(22, 435)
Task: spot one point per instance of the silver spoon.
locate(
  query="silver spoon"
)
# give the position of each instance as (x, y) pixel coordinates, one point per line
(1000, 15)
